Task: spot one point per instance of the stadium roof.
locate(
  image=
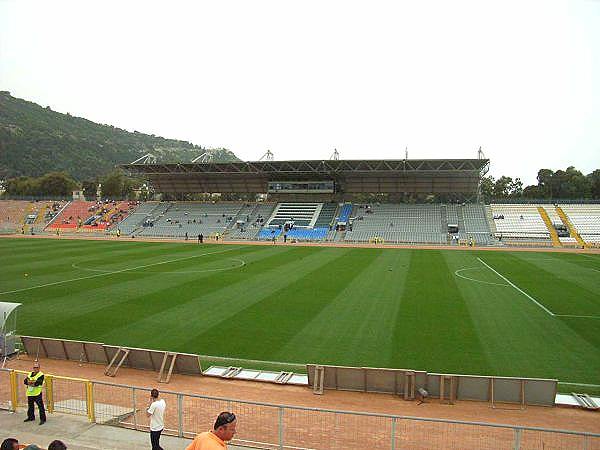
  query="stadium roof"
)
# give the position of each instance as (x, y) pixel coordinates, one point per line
(351, 176)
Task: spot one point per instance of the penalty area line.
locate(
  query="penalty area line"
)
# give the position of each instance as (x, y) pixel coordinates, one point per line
(114, 272)
(516, 287)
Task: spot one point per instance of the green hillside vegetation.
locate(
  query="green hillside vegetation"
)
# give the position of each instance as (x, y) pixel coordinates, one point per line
(35, 140)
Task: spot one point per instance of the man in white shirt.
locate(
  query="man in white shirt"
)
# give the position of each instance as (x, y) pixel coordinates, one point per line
(156, 412)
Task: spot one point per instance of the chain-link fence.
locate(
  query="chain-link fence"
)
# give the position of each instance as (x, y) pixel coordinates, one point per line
(271, 426)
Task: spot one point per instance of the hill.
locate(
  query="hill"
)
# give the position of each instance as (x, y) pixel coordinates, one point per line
(35, 140)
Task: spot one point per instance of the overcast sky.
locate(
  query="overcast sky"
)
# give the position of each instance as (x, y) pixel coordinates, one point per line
(521, 79)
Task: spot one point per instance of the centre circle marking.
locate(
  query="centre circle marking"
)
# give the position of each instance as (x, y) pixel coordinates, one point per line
(458, 274)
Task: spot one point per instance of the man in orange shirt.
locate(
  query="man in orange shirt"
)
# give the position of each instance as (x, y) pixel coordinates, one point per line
(223, 431)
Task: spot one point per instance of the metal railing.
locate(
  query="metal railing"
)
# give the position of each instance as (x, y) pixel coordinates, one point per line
(273, 426)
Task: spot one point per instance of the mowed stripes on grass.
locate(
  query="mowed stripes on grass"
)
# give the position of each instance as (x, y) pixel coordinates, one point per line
(476, 312)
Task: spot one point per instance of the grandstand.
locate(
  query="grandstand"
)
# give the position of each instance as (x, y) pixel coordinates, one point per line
(145, 212)
(12, 215)
(318, 201)
(251, 220)
(398, 224)
(585, 219)
(179, 219)
(473, 224)
(393, 223)
(89, 216)
(19, 216)
(520, 223)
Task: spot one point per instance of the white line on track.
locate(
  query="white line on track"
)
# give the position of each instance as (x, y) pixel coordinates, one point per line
(458, 274)
(516, 287)
(114, 272)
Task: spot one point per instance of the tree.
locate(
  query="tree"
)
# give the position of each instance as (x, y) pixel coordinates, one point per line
(58, 184)
(594, 180)
(53, 184)
(515, 188)
(117, 186)
(533, 192)
(544, 178)
(502, 187)
(487, 188)
(21, 186)
(89, 188)
(576, 184)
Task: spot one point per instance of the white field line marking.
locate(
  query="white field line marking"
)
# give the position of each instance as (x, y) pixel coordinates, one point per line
(595, 258)
(241, 263)
(114, 272)
(581, 317)
(457, 273)
(579, 384)
(516, 287)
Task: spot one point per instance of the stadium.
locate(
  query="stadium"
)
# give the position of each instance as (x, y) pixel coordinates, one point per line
(390, 282)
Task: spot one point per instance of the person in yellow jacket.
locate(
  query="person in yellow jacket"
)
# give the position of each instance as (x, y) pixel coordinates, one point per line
(34, 383)
(223, 431)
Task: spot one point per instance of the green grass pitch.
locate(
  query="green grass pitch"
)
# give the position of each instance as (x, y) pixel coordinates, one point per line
(524, 314)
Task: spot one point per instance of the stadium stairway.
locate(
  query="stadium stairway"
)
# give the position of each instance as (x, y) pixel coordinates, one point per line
(490, 219)
(553, 234)
(570, 227)
(326, 216)
(32, 209)
(41, 215)
(444, 218)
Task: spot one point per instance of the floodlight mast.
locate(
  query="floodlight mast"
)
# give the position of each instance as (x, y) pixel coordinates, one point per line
(268, 156)
(335, 156)
(148, 158)
(480, 154)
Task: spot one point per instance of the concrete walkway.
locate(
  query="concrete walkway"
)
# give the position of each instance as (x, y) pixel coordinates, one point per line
(78, 434)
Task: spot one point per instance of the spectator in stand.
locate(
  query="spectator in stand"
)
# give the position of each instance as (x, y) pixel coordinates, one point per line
(156, 412)
(34, 383)
(57, 445)
(222, 432)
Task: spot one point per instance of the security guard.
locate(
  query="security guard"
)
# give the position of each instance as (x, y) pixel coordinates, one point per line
(34, 383)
